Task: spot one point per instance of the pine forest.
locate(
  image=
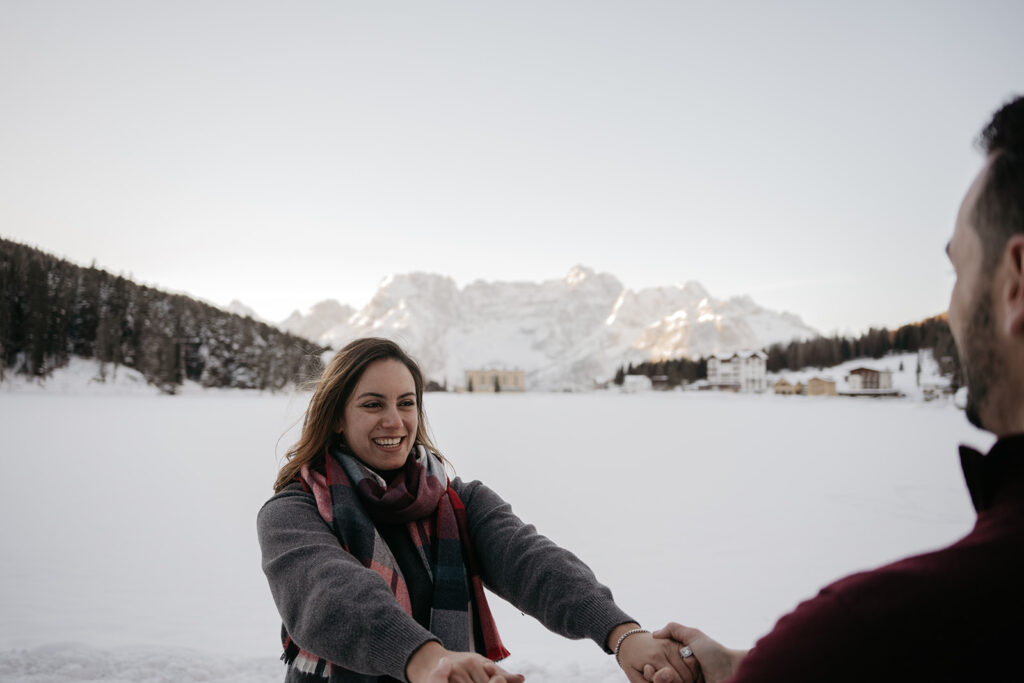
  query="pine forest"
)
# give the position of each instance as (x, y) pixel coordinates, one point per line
(51, 310)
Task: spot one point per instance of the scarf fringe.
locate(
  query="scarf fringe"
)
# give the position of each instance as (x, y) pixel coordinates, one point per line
(305, 662)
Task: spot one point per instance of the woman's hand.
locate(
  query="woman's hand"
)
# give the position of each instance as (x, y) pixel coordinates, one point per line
(717, 662)
(642, 650)
(432, 663)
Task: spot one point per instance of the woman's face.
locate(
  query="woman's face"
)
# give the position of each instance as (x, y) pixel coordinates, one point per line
(381, 416)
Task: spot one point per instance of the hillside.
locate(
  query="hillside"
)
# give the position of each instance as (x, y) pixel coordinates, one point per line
(53, 311)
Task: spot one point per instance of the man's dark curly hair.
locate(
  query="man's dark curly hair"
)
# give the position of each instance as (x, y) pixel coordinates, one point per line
(999, 210)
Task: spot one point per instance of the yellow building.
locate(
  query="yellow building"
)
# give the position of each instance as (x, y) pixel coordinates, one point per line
(784, 388)
(491, 381)
(821, 387)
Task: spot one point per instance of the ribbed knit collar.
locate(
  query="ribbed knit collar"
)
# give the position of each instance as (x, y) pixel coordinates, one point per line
(999, 473)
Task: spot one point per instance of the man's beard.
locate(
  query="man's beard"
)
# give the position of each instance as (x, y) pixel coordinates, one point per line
(978, 358)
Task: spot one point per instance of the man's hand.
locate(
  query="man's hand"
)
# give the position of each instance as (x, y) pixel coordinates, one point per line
(641, 650)
(717, 662)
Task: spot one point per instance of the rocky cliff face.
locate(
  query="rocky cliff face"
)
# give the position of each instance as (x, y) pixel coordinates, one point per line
(563, 333)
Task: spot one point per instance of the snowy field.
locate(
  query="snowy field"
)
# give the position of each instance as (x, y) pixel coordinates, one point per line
(129, 547)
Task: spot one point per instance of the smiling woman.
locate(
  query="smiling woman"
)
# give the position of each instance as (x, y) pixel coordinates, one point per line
(377, 561)
(382, 416)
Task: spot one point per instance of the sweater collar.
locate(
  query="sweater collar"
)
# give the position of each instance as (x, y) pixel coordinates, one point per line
(989, 475)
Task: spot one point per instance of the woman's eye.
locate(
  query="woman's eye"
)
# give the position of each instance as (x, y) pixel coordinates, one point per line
(372, 404)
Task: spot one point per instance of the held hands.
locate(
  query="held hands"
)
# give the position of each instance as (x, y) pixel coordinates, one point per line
(640, 651)
(432, 663)
(644, 657)
(717, 662)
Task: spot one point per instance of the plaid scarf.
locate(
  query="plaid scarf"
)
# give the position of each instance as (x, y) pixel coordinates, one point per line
(352, 497)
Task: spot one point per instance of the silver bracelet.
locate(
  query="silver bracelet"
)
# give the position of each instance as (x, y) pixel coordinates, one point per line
(625, 635)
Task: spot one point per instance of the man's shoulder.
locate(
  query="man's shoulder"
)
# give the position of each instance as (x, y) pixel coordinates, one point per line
(973, 578)
(906, 613)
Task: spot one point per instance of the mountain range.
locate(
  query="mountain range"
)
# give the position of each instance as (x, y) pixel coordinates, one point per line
(563, 333)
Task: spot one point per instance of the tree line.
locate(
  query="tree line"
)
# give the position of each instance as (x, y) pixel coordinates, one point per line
(51, 310)
(823, 352)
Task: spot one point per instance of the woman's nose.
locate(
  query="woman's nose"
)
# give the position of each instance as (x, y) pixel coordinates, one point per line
(391, 418)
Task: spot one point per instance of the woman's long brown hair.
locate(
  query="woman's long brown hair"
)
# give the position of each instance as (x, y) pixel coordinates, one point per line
(332, 392)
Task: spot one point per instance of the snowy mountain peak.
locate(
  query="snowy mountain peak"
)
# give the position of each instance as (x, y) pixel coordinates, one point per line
(563, 333)
(238, 308)
(327, 322)
(577, 274)
(411, 285)
(580, 275)
(694, 289)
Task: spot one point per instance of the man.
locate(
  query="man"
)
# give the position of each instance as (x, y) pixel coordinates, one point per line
(956, 614)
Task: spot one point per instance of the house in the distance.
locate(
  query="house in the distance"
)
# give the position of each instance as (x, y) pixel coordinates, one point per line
(738, 372)
(866, 378)
(660, 383)
(784, 387)
(491, 381)
(631, 384)
(870, 382)
(818, 386)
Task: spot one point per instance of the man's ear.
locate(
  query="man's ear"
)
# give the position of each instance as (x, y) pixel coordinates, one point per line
(1014, 299)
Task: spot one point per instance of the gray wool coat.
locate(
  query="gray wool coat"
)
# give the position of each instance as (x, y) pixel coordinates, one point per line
(341, 611)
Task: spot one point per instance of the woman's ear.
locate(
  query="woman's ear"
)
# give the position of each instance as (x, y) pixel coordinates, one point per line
(1014, 299)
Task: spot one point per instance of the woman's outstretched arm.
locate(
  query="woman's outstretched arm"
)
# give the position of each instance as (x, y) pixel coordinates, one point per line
(551, 584)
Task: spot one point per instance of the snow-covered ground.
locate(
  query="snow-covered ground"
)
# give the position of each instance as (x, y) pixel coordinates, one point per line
(86, 377)
(81, 377)
(129, 549)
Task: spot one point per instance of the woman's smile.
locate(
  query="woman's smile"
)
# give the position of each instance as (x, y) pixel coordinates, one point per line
(389, 442)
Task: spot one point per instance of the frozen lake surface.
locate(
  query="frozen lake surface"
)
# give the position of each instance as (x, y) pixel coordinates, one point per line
(130, 554)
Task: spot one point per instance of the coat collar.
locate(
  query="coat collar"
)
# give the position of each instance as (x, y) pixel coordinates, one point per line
(987, 475)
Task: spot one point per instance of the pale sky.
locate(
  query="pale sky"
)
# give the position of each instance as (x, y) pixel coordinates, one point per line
(809, 154)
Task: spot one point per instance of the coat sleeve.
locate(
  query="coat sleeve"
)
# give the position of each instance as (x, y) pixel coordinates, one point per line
(533, 573)
(821, 640)
(329, 602)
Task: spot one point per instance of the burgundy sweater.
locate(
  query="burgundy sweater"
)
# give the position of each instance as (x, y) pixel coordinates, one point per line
(956, 614)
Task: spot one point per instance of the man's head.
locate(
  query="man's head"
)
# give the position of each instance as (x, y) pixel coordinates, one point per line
(986, 309)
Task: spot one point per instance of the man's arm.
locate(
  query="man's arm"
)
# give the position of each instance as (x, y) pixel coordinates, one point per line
(821, 640)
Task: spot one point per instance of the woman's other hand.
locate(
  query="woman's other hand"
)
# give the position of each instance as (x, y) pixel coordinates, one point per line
(641, 650)
(717, 662)
(432, 663)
